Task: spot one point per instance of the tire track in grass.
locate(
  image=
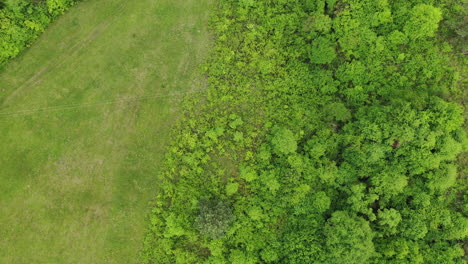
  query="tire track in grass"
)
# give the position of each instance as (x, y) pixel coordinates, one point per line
(48, 66)
(69, 53)
(103, 103)
(85, 42)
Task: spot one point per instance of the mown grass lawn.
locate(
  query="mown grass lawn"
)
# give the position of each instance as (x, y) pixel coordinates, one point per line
(85, 114)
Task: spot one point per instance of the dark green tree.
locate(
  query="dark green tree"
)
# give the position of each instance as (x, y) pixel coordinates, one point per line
(214, 218)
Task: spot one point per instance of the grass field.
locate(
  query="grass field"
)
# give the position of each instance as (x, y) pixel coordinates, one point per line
(84, 117)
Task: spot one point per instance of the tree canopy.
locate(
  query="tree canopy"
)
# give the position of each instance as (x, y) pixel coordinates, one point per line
(329, 131)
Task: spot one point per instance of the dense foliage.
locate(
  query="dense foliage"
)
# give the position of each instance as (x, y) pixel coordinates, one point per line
(325, 136)
(21, 21)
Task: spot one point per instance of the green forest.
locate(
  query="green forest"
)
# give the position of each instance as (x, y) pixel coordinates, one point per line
(325, 131)
(327, 135)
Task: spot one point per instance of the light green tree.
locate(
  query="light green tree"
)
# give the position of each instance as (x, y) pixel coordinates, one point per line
(423, 22)
(348, 239)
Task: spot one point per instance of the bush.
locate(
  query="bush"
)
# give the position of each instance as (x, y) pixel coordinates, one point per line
(21, 21)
